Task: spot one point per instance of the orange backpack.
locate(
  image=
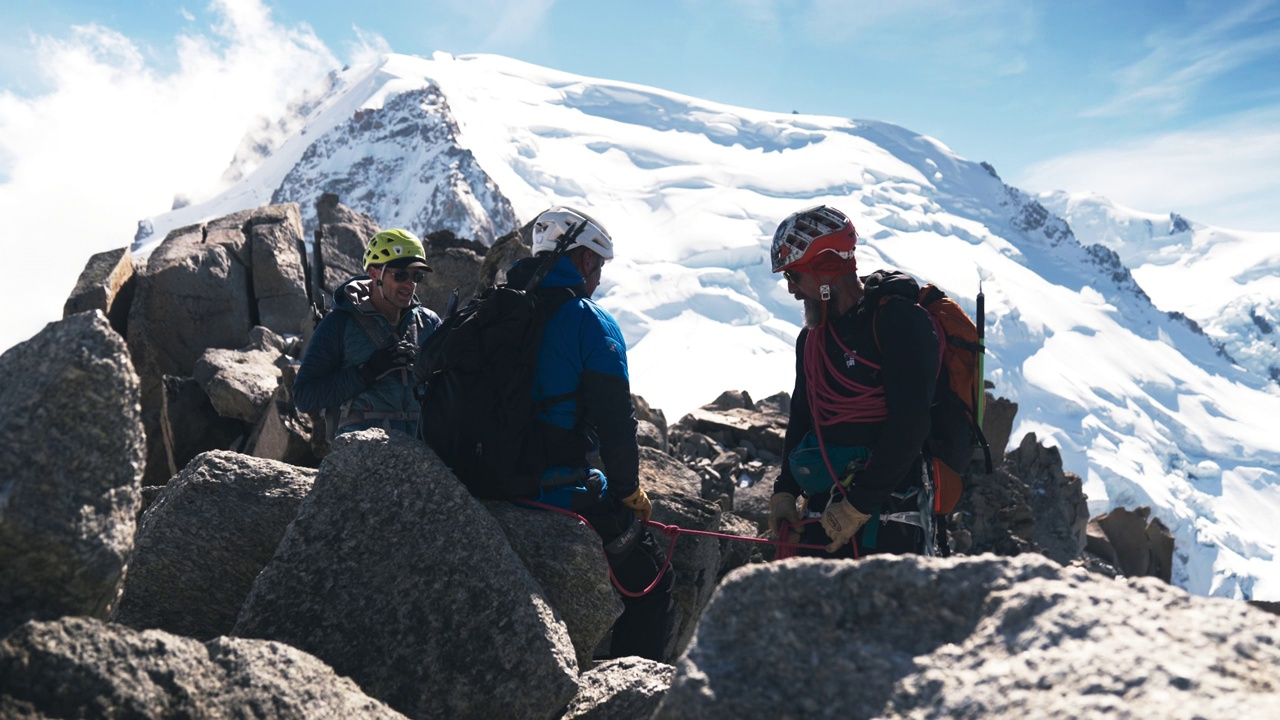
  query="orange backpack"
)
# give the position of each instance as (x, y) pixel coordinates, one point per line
(955, 430)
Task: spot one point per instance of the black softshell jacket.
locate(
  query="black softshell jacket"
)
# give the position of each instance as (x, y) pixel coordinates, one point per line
(907, 353)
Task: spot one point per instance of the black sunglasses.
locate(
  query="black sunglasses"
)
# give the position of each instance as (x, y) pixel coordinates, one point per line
(402, 275)
(792, 276)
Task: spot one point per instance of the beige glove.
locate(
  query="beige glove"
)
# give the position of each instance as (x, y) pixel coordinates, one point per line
(841, 520)
(782, 506)
(638, 503)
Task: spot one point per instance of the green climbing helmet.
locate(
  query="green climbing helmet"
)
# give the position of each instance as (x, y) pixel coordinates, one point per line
(391, 245)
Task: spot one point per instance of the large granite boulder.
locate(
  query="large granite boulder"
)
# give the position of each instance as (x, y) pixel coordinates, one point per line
(83, 668)
(71, 464)
(193, 295)
(396, 577)
(567, 559)
(914, 637)
(197, 292)
(455, 265)
(206, 537)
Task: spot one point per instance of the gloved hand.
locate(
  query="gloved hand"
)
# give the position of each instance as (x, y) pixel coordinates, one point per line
(782, 506)
(638, 503)
(384, 360)
(841, 520)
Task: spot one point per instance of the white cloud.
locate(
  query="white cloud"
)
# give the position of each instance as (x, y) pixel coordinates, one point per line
(1183, 61)
(514, 22)
(1207, 174)
(111, 140)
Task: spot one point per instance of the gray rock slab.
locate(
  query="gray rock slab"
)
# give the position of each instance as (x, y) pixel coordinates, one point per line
(567, 559)
(983, 637)
(205, 538)
(71, 464)
(101, 283)
(83, 668)
(240, 383)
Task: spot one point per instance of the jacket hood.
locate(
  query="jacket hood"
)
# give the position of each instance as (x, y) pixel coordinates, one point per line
(356, 295)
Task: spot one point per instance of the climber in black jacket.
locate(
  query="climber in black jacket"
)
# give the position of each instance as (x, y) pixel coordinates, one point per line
(866, 365)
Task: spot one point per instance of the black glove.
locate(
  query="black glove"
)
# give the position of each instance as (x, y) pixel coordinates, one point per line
(385, 360)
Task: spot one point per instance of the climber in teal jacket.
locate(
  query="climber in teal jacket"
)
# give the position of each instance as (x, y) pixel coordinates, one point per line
(360, 358)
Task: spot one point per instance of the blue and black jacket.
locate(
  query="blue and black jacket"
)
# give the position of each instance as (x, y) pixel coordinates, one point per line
(583, 359)
(329, 376)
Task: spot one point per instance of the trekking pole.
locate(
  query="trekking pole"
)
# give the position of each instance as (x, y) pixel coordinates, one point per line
(981, 401)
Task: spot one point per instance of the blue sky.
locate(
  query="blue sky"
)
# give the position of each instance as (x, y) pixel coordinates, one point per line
(1161, 105)
(108, 109)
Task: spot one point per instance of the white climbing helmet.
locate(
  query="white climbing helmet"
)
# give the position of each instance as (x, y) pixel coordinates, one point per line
(585, 231)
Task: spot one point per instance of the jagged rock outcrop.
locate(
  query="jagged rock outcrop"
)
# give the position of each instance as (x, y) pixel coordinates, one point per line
(994, 516)
(997, 425)
(1133, 542)
(71, 464)
(396, 577)
(503, 254)
(199, 291)
(82, 668)
(106, 284)
(337, 252)
(1057, 499)
(730, 438)
(651, 430)
(204, 539)
(908, 637)
(627, 688)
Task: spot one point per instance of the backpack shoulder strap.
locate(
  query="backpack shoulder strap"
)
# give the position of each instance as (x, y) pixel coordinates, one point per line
(377, 334)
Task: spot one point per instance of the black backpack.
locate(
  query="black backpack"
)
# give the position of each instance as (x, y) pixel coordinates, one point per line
(478, 412)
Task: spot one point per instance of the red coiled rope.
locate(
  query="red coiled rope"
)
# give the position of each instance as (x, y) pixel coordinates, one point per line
(857, 402)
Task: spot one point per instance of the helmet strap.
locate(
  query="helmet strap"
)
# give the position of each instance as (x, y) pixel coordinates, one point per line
(825, 291)
(563, 244)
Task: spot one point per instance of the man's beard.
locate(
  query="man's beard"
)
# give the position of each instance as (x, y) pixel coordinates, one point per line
(812, 313)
